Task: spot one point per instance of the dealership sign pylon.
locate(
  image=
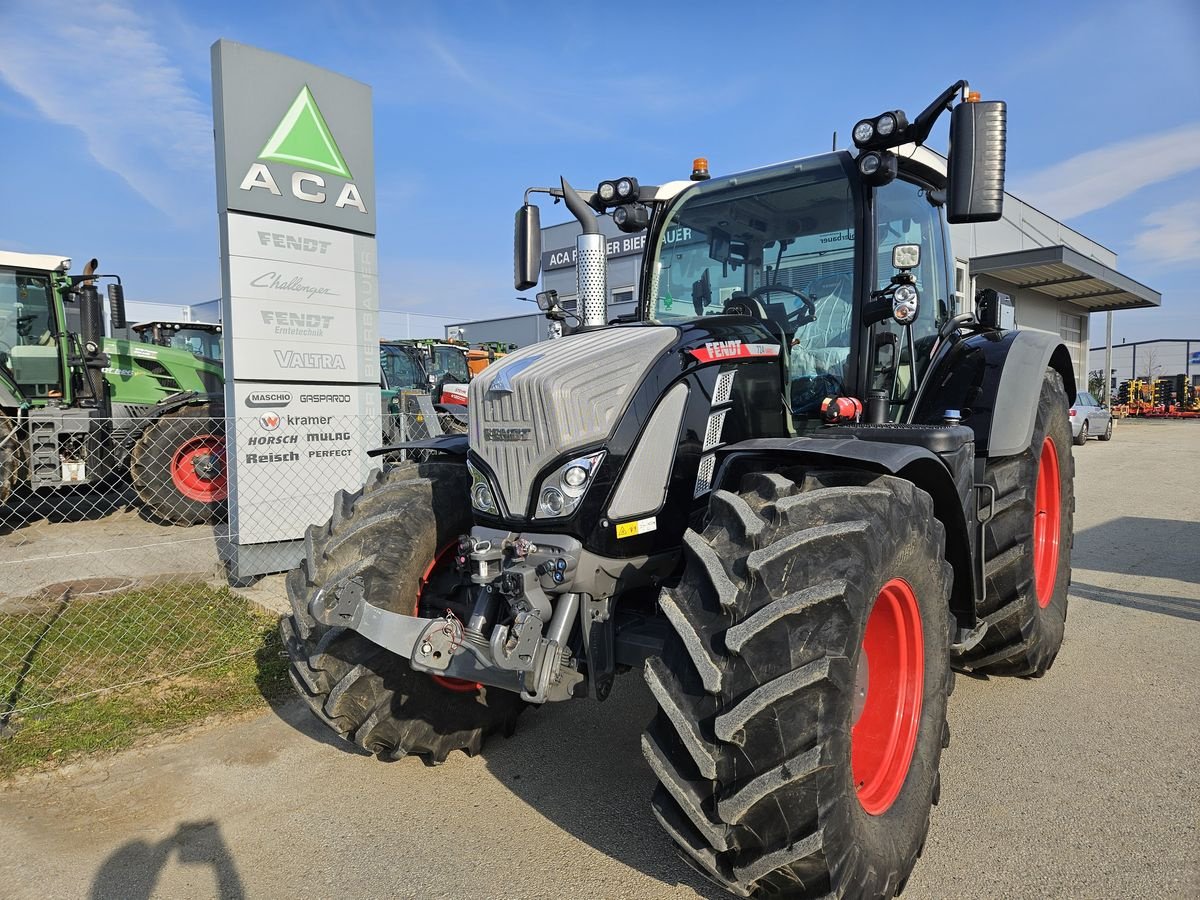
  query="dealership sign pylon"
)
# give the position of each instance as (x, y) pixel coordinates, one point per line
(296, 200)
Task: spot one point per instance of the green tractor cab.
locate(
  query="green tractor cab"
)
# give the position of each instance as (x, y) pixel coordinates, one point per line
(201, 339)
(77, 407)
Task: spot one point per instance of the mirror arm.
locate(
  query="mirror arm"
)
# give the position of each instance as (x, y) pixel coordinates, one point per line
(919, 130)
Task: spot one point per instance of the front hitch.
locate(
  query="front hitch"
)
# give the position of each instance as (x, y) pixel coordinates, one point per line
(517, 659)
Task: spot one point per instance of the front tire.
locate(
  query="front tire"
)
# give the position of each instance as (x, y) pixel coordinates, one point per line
(178, 466)
(391, 536)
(1107, 436)
(791, 761)
(1028, 547)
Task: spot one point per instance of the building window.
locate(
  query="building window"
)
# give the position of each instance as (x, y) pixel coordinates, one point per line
(1070, 329)
(622, 295)
(964, 301)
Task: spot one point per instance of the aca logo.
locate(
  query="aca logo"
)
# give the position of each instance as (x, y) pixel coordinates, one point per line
(269, 421)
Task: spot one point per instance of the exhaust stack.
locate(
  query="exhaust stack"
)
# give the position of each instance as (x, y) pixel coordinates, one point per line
(591, 265)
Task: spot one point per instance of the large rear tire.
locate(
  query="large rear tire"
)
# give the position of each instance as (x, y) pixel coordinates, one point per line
(178, 466)
(792, 761)
(1028, 547)
(391, 536)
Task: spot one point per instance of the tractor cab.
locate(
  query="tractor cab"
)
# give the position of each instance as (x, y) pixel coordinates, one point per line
(32, 363)
(201, 339)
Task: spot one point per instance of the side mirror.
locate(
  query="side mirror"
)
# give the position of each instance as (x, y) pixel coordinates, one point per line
(116, 305)
(527, 247)
(976, 167)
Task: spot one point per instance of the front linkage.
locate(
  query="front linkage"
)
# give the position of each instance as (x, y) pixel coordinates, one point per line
(529, 655)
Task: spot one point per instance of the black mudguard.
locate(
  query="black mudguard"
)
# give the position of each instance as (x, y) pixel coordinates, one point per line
(952, 491)
(450, 444)
(994, 380)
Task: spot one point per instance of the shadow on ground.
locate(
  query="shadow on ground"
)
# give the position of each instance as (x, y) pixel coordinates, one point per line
(86, 503)
(1131, 545)
(1179, 607)
(132, 871)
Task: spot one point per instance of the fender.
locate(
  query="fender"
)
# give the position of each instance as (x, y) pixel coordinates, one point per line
(186, 398)
(994, 379)
(450, 444)
(953, 503)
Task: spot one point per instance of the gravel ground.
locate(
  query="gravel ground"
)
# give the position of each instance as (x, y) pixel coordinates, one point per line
(1082, 784)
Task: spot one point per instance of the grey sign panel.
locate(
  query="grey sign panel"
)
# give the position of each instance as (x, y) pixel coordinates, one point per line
(302, 302)
(292, 140)
(294, 447)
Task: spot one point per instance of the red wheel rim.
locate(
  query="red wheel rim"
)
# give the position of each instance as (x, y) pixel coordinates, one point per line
(1047, 520)
(890, 679)
(198, 468)
(457, 685)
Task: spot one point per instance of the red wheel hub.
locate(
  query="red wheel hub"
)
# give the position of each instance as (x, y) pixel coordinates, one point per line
(890, 681)
(1047, 522)
(458, 685)
(198, 468)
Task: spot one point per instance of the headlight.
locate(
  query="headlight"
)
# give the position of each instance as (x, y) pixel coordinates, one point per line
(869, 164)
(482, 496)
(562, 492)
(863, 132)
(607, 191)
(885, 125)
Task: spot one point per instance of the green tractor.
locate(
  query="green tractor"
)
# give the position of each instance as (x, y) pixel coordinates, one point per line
(798, 501)
(77, 407)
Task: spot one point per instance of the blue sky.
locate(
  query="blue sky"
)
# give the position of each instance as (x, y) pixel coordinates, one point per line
(106, 143)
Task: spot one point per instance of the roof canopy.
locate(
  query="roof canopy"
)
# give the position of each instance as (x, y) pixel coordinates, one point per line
(1064, 274)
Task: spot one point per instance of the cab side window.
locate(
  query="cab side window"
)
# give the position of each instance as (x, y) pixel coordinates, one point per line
(903, 215)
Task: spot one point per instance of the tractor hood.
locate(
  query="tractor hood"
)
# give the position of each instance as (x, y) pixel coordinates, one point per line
(554, 398)
(140, 373)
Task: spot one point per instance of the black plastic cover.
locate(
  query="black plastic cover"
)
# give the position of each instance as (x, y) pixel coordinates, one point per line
(976, 170)
(527, 247)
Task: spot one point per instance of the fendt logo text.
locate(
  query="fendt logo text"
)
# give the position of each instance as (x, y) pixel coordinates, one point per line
(303, 140)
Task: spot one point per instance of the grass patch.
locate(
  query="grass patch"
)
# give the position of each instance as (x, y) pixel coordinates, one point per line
(222, 651)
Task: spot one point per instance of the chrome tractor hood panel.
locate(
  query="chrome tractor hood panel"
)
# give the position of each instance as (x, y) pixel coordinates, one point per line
(548, 399)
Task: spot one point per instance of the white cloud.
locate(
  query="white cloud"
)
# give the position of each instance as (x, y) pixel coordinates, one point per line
(1173, 235)
(114, 82)
(1094, 179)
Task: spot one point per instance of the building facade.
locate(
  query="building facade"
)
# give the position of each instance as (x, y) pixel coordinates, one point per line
(1149, 359)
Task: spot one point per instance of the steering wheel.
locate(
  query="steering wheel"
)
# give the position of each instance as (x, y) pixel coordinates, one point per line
(800, 317)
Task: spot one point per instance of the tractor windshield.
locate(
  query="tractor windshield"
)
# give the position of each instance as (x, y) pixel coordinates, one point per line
(198, 341)
(28, 343)
(776, 245)
(450, 363)
(402, 370)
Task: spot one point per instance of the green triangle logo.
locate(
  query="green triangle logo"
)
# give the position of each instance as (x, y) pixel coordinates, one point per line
(302, 139)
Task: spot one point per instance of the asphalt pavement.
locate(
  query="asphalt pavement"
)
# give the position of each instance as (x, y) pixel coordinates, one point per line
(1082, 784)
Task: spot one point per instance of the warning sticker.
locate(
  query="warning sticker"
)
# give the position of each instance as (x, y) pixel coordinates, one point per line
(641, 526)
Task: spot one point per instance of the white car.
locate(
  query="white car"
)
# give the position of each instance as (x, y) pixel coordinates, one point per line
(1090, 418)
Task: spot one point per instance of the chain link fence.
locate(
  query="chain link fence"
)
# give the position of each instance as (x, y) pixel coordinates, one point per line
(117, 614)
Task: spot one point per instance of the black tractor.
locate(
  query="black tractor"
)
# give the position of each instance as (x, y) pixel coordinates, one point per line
(798, 493)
